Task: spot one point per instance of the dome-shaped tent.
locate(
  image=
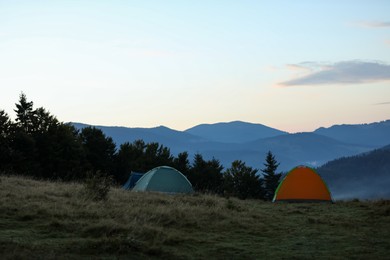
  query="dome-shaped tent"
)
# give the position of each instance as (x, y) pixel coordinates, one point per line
(132, 180)
(302, 184)
(164, 179)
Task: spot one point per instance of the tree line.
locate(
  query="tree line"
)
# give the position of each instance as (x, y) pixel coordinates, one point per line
(38, 145)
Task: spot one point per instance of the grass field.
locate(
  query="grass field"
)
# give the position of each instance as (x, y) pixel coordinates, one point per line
(48, 220)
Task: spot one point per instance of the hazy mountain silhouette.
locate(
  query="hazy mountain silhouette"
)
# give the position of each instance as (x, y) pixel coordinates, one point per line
(175, 140)
(250, 142)
(366, 175)
(305, 148)
(374, 134)
(234, 132)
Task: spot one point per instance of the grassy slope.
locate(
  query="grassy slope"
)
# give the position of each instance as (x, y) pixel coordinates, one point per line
(52, 220)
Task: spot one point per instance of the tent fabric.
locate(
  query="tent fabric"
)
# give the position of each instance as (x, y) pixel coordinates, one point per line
(164, 179)
(302, 184)
(133, 178)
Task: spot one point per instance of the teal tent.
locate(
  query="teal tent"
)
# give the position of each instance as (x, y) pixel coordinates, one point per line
(164, 179)
(133, 178)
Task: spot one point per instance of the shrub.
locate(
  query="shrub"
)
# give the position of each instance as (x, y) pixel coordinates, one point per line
(97, 185)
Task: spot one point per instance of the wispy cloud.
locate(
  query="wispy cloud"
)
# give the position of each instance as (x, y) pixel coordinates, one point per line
(345, 72)
(382, 103)
(372, 24)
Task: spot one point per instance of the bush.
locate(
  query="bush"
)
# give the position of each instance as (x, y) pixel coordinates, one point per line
(97, 185)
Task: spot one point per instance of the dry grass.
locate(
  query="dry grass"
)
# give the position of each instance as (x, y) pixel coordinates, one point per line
(54, 221)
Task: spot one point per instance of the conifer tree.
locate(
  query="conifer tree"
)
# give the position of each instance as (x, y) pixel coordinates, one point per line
(182, 163)
(242, 181)
(24, 114)
(271, 178)
(99, 149)
(5, 149)
(206, 176)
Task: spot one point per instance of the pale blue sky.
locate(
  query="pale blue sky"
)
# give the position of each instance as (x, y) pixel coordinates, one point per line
(292, 65)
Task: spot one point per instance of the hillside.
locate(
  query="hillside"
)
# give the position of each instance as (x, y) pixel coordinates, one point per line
(366, 175)
(47, 220)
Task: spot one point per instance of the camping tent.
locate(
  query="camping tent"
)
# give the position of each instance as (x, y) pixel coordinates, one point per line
(164, 179)
(133, 178)
(302, 184)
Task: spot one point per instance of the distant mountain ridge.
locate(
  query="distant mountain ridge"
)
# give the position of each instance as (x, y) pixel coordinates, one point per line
(368, 134)
(161, 134)
(250, 142)
(306, 148)
(234, 132)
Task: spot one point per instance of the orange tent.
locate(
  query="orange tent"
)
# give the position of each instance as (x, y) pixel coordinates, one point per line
(302, 184)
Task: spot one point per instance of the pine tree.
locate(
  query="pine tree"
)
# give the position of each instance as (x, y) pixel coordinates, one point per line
(182, 163)
(24, 114)
(271, 178)
(242, 181)
(5, 149)
(99, 149)
(206, 176)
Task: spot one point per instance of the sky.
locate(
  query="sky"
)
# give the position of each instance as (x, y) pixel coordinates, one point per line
(292, 65)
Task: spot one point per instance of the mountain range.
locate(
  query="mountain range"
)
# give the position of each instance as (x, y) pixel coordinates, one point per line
(250, 142)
